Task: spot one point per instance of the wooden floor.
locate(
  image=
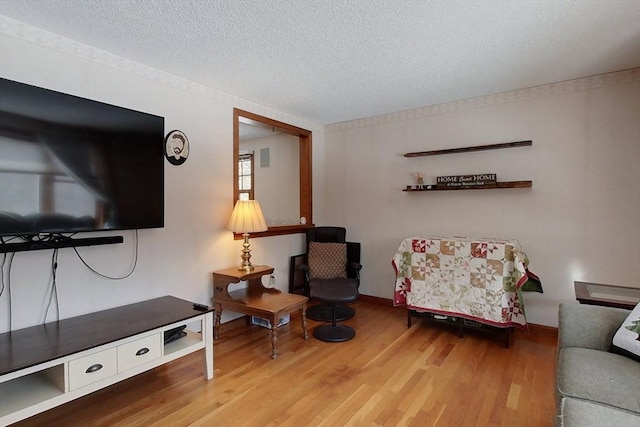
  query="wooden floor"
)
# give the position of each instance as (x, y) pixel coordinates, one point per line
(388, 375)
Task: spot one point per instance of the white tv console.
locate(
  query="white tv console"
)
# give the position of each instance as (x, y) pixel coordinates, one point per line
(47, 365)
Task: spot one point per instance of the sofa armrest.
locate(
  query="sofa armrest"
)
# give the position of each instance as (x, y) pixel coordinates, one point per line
(588, 326)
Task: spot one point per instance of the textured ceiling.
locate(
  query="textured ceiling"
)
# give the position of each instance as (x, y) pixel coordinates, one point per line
(330, 61)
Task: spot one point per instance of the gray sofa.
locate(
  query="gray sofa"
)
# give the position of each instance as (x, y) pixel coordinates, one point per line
(594, 386)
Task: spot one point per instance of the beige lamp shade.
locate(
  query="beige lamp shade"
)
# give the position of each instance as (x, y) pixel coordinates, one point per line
(247, 217)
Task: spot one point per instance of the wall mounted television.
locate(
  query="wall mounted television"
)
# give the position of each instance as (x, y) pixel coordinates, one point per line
(70, 164)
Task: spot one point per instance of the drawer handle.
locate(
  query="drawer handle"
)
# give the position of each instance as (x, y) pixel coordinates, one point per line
(142, 351)
(93, 368)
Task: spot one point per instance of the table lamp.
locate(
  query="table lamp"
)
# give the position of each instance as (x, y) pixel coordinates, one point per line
(246, 218)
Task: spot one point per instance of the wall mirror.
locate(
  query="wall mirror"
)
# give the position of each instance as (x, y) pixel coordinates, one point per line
(272, 164)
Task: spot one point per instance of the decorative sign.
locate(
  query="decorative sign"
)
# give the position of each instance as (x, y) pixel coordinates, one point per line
(466, 180)
(176, 147)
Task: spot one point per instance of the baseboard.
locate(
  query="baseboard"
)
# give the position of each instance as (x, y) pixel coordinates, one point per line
(547, 331)
(376, 300)
(236, 323)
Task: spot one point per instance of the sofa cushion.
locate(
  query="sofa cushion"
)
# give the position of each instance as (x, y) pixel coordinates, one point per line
(626, 341)
(599, 376)
(580, 413)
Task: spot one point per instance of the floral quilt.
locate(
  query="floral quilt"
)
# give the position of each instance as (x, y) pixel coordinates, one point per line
(477, 279)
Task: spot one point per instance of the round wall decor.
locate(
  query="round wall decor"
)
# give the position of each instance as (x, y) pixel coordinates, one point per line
(176, 147)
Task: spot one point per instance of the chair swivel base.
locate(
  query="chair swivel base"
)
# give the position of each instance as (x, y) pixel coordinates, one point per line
(324, 313)
(334, 333)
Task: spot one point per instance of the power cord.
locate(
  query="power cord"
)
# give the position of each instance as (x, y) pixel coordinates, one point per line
(7, 287)
(53, 289)
(133, 268)
(4, 260)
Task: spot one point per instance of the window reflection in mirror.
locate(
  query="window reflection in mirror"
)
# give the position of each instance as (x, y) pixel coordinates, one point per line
(245, 175)
(272, 164)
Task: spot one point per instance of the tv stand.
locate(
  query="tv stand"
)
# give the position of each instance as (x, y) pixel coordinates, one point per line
(61, 242)
(47, 365)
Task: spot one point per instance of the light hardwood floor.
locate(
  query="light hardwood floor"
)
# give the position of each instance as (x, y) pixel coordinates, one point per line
(388, 375)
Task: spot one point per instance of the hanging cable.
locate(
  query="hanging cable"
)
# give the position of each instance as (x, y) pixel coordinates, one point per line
(4, 260)
(6, 285)
(135, 263)
(53, 293)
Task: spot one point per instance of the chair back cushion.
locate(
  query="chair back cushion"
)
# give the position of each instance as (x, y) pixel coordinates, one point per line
(326, 234)
(327, 260)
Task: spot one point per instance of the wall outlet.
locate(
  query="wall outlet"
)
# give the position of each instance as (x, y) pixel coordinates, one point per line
(272, 281)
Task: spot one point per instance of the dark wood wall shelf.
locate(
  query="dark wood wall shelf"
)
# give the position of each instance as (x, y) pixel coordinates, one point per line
(505, 184)
(470, 149)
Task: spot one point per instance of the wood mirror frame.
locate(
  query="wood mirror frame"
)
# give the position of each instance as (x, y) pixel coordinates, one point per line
(304, 164)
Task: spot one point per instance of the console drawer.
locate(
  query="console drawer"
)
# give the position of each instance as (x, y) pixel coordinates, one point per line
(94, 367)
(139, 352)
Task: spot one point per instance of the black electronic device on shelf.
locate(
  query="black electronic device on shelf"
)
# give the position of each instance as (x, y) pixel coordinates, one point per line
(174, 334)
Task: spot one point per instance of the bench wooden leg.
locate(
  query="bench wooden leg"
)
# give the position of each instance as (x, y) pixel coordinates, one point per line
(507, 336)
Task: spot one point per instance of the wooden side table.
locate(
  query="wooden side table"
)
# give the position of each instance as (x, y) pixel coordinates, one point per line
(255, 300)
(607, 295)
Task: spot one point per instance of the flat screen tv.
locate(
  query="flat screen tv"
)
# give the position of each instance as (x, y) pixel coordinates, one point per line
(69, 164)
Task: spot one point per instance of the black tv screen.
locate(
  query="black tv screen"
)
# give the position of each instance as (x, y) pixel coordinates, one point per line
(69, 164)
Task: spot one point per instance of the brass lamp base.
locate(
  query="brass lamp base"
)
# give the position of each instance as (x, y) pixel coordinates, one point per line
(246, 255)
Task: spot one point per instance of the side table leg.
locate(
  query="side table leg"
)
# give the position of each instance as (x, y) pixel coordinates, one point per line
(216, 328)
(303, 315)
(274, 338)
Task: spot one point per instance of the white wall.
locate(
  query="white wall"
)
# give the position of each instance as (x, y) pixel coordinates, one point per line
(580, 221)
(179, 258)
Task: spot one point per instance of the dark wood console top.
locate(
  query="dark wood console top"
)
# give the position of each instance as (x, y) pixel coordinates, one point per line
(38, 344)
